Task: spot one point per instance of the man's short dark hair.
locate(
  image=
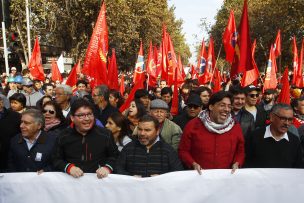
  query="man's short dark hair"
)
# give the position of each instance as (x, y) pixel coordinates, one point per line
(78, 103)
(149, 118)
(201, 89)
(18, 97)
(141, 93)
(45, 85)
(219, 96)
(236, 91)
(295, 102)
(166, 90)
(81, 82)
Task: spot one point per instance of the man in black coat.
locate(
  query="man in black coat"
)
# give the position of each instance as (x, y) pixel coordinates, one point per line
(148, 155)
(9, 127)
(85, 148)
(273, 146)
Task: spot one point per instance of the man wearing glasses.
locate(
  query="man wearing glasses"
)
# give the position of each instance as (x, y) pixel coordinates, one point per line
(258, 113)
(273, 146)
(85, 148)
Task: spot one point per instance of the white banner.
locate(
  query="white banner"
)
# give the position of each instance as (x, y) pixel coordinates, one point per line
(246, 186)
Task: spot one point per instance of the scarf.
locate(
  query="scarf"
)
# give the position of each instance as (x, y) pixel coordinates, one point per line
(215, 127)
(51, 123)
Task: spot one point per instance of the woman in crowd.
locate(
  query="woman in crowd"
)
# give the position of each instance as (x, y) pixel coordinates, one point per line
(18, 102)
(42, 101)
(135, 112)
(119, 127)
(54, 119)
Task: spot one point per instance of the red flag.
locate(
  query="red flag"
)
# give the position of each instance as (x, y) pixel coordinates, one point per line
(171, 61)
(56, 76)
(157, 59)
(164, 52)
(35, 63)
(72, 79)
(295, 61)
(217, 79)
(252, 75)
(138, 85)
(206, 77)
(299, 79)
(122, 85)
(174, 106)
(179, 70)
(229, 38)
(284, 96)
(201, 62)
(139, 66)
(151, 67)
(277, 45)
(193, 72)
(95, 64)
(271, 77)
(113, 72)
(243, 57)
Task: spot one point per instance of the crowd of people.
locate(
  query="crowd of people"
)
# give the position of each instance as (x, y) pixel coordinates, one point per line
(46, 126)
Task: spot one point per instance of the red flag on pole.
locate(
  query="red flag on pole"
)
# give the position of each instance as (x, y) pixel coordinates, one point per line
(299, 79)
(217, 79)
(171, 61)
(206, 77)
(138, 85)
(95, 64)
(243, 57)
(295, 60)
(157, 59)
(229, 38)
(113, 72)
(284, 96)
(252, 75)
(164, 52)
(271, 75)
(277, 45)
(35, 63)
(56, 76)
(72, 79)
(174, 106)
(201, 62)
(139, 66)
(151, 67)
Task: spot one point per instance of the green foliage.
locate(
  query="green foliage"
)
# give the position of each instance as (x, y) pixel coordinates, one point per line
(266, 17)
(69, 24)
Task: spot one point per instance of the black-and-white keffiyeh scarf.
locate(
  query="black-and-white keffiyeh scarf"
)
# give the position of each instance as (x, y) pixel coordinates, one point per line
(214, 127)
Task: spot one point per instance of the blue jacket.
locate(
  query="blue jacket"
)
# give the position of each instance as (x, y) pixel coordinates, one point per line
(37, 158)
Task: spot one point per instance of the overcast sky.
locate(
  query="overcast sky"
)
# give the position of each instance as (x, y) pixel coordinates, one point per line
(191, 11)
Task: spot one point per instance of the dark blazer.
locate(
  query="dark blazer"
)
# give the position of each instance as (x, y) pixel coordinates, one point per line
(246, 120)
(37, 158)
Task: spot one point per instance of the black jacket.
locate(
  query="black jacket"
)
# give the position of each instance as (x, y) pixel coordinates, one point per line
(261, 117)
(89, 152)
(267, 153)
(246, 120)
(9, 127)
(134, 159)
(37, 158)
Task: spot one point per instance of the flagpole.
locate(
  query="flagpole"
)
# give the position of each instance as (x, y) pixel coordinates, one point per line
(28, 27)
(218, 55)
(148, 81)
(4, 40)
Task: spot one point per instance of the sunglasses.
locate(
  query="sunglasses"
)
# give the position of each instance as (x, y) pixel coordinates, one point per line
(193, 106)
(253, 95)
(50, 111)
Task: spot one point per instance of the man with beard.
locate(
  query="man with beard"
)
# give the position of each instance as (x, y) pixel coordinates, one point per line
(268, 101)
(148, 155)
(273, 146)
(213, 140)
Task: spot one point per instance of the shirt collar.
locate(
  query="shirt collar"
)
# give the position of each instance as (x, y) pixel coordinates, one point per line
(269, 134)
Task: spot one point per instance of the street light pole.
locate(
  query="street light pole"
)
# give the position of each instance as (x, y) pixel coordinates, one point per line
(28, 28)
(4, 40)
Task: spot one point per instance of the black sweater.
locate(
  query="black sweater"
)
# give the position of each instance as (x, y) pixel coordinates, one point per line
(89, 152)
(267, 153)
(134, 159)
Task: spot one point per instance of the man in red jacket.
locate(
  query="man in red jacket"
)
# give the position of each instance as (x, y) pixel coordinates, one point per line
(213, 140)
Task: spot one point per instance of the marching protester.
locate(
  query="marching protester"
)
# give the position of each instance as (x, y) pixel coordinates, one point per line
(213, 140)
(85, 148)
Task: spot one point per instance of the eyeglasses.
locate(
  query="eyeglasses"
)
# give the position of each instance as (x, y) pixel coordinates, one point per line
(253, 95)
(84, 115)
(283, 119)
(50, 111)
(193, 106)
